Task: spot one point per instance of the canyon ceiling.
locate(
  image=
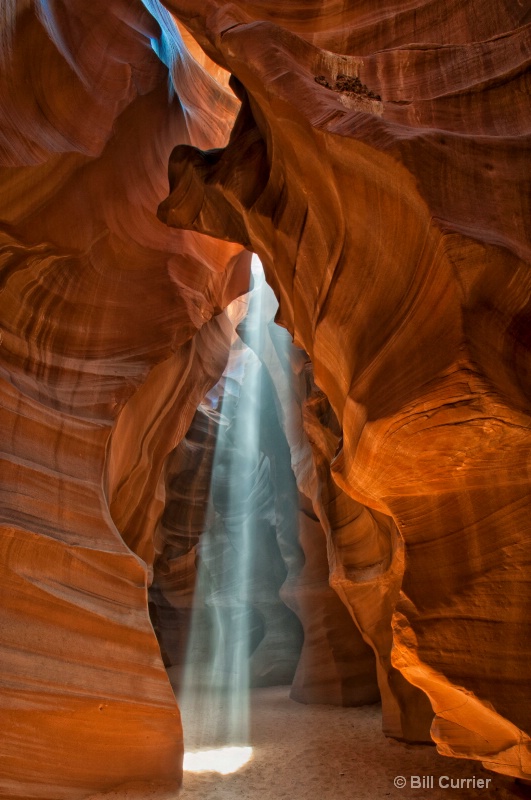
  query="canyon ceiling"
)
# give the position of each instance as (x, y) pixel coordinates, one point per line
(376, 157)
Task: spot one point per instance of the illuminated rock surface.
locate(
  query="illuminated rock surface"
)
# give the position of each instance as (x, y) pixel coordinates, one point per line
(394, 231)
(391, 214)
(98, 299)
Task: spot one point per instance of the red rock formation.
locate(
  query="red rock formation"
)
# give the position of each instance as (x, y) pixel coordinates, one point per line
(394, 231)
(379, 167)
(98, 298)
(365, 568)
(336, 666)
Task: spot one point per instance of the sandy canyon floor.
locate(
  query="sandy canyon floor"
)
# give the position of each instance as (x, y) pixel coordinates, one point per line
(323, 752)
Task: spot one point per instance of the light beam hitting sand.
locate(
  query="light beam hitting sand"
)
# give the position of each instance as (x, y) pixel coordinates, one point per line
(223, 760)
(217, 665)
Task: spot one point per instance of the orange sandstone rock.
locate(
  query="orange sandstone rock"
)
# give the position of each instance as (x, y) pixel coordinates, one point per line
(392, 221)
(97, 299)
(395, 233)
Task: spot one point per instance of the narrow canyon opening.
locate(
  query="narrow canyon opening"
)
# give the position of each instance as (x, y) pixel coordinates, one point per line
(241, 604)
(230, 554)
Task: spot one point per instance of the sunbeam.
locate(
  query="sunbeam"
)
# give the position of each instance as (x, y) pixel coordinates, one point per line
(223, 623)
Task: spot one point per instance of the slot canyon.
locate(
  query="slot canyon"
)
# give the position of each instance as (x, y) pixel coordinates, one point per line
(265, 382)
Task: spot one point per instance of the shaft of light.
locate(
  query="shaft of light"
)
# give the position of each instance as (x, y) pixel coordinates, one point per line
(214, 696)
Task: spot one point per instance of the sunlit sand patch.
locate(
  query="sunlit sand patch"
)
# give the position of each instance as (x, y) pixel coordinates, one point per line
(223, 760)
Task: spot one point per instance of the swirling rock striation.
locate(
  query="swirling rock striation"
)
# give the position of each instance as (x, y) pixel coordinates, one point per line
(389, 203)
(395, 233)
(98, 299)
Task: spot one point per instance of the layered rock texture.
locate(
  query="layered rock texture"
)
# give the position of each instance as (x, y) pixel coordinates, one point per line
(377, 160)
(111, 335)
(380, 168)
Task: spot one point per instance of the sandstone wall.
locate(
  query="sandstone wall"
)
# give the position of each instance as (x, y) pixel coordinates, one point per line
(98, 299)
(378, 168)
(378, 165)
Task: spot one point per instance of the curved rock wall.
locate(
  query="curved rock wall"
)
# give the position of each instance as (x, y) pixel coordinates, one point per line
(378, 168)
(97, 299)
